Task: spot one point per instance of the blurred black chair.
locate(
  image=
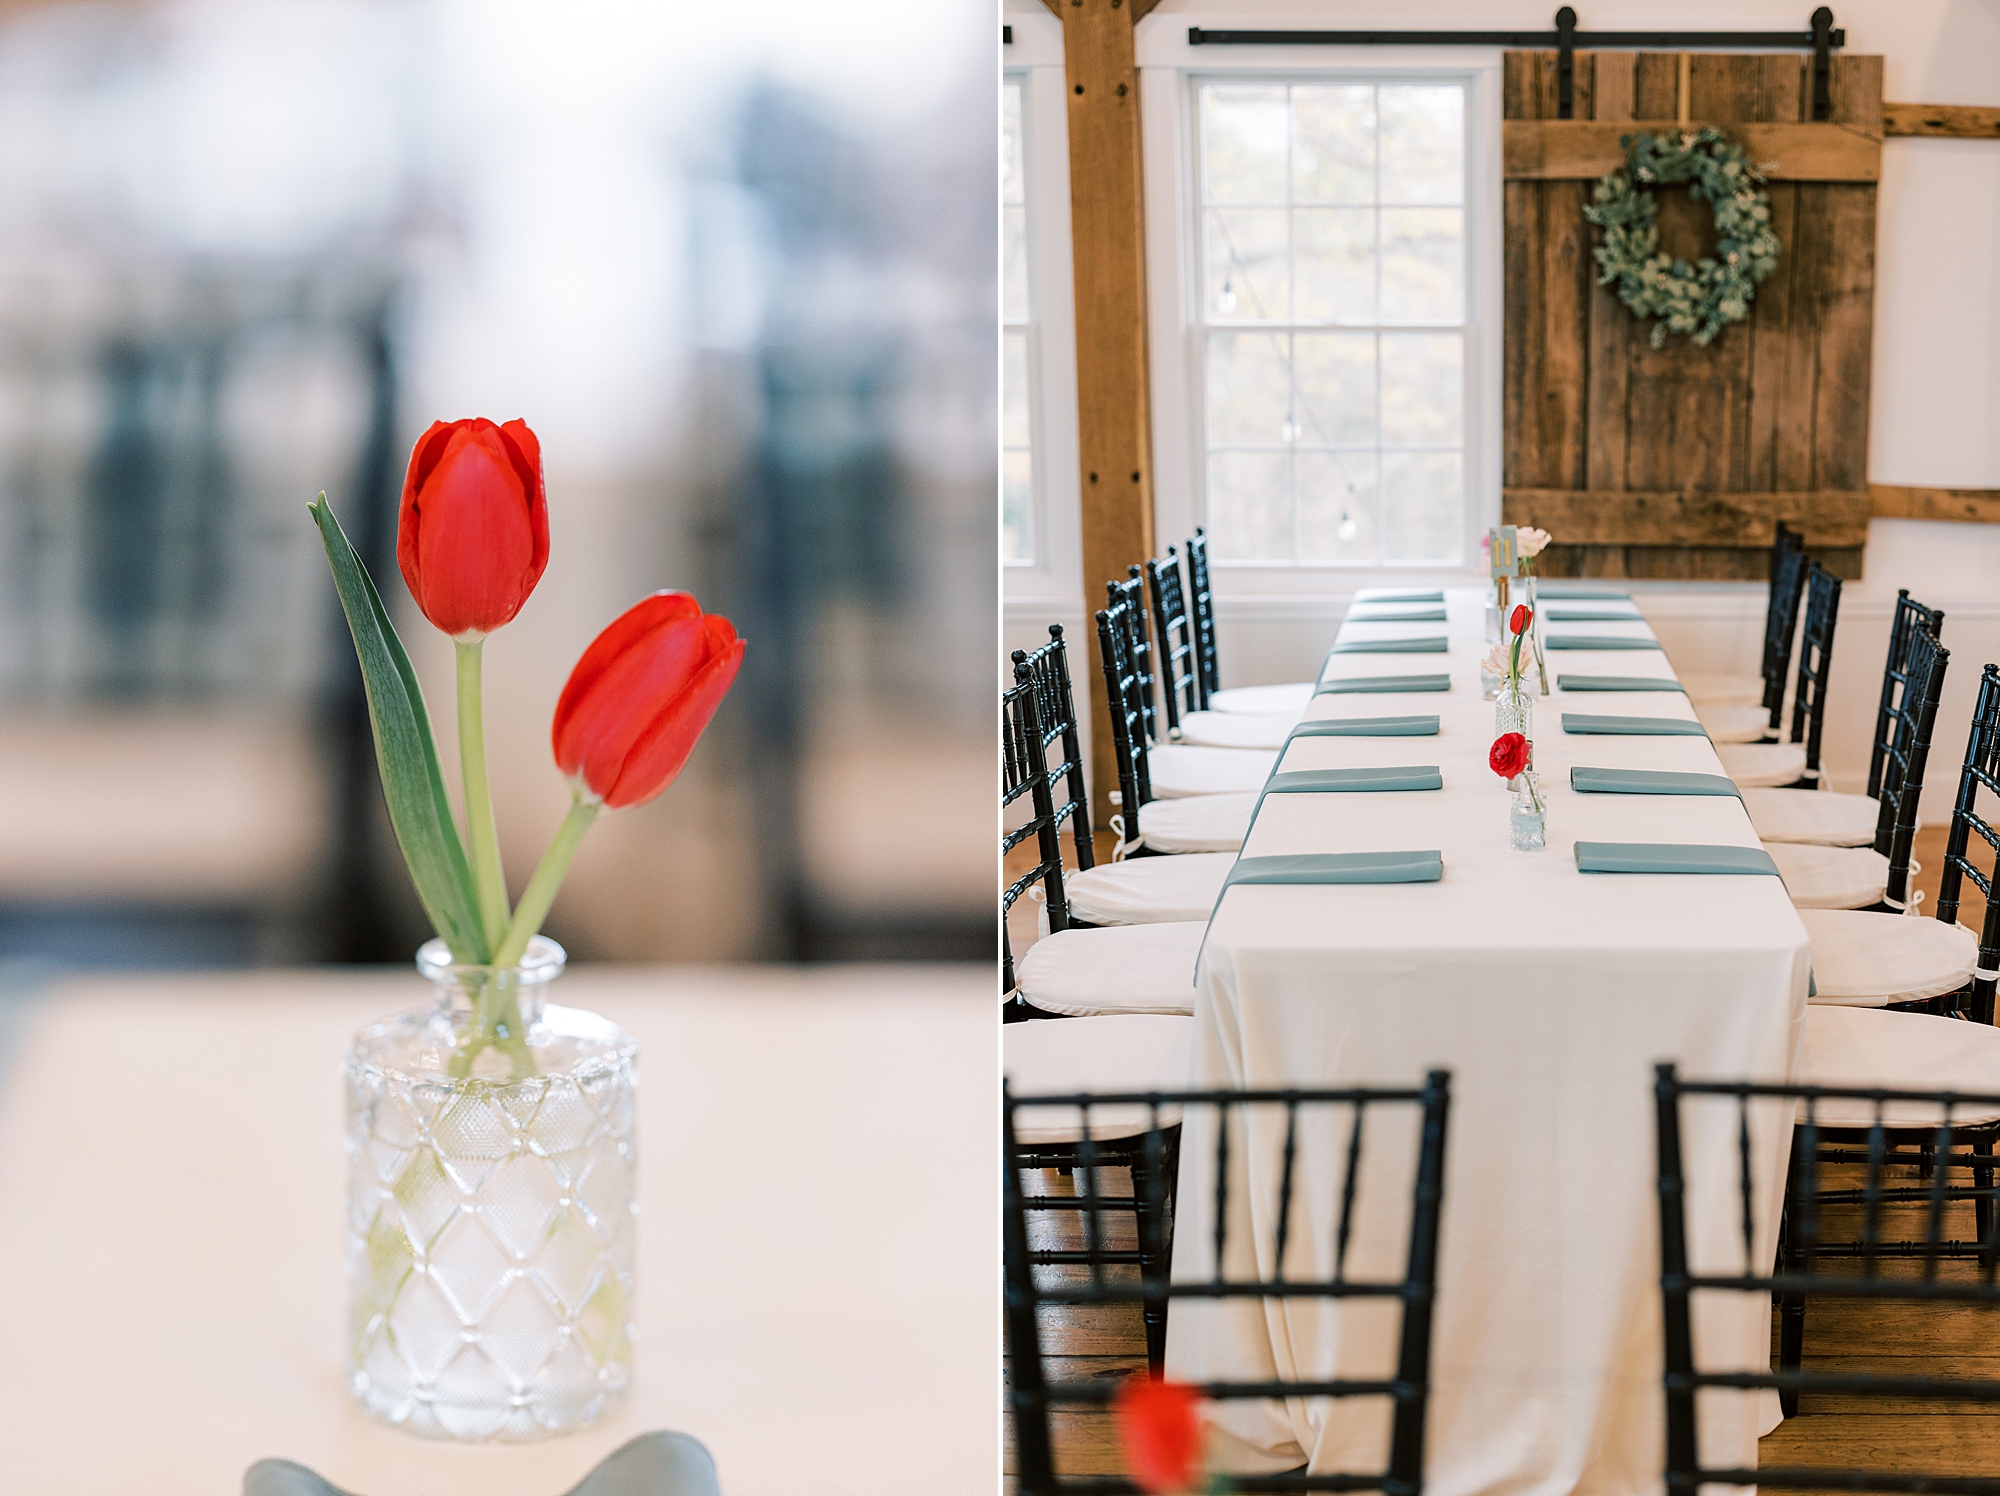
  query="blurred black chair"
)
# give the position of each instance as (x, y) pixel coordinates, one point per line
(1180, 671)
(1795, 764)
(1047, 670)
(1942, 1134)
(1141, 1132)
(1911, 618)
(1201, 606)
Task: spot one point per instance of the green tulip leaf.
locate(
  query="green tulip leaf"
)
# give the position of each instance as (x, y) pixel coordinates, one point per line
(406, 753)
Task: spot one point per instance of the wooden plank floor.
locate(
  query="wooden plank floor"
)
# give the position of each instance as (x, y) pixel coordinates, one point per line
(1890, 1338)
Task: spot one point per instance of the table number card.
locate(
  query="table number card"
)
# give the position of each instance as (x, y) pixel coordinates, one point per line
(1503, 551)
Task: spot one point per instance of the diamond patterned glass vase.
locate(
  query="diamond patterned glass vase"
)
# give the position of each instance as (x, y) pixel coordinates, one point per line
(491, 1215)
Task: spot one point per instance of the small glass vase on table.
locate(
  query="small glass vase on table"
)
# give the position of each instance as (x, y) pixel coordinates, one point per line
(491, 1138)
(1513, 701)
(1512, 758)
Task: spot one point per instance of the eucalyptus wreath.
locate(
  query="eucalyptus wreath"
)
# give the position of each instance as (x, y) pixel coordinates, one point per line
(1699, 299)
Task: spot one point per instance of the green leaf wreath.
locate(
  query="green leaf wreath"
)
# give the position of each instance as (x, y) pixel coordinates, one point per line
(1699, 299)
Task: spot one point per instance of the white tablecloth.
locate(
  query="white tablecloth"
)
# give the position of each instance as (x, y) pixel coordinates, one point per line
(1549, 994)
(817, 1250)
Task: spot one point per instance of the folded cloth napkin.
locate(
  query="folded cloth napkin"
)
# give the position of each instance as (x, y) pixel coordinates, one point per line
(1432, 646)
(1338, 867)
(1588, 780)
(1641, 727)
(1334, 781)
(1552, 614)
(1595, 641)
(1400, 597)
(1383, 683)
(1399, 615)
(1671, 857)
(1567, 594)
(1619, 683)
(1367, 727)
(1316, 867)
(656, 1464)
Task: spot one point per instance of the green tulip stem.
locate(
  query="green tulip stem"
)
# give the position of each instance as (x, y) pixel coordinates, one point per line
(480, 828)
(541, 890)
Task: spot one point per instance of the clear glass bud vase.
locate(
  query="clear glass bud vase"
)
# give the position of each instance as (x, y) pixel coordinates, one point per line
(491, 1214)
(1514, 708)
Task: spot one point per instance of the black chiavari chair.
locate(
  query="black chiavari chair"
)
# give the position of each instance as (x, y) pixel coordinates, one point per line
(1876, 1138)
(1795, 765)
(1911, 618)
(1130, 594)
(1180, 675)
(1047, 669)
(1201, 606)
(1901, 786)
(1131, 744)
(1781, 621)
(1089, 1266)
(1025, 776)
(1981, 770)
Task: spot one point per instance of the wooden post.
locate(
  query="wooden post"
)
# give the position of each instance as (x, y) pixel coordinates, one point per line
(1107, 224)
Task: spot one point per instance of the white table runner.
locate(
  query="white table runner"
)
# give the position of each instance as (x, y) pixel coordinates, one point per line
(1549, 994)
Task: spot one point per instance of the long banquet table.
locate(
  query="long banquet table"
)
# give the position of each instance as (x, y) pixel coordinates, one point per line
(1549, 994)
(816, 1298)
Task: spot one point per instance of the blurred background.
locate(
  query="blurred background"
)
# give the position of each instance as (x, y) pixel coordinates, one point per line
(735, 266)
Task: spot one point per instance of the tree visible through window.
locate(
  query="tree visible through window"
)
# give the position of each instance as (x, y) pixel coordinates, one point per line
(1017, 443)
(1332, 323)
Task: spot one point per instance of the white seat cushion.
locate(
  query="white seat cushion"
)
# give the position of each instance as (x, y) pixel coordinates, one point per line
(1178, 769)
(1898, 1052)
(1149, 890)
(1111, 1056)
(1830, 877)
(1817, 816)
(1744, 690)
(1771, 764)
(1197, 823)
(1871, 960)
(1288, 700)
(1236, 729)
(1132, 969)
(1731, 722)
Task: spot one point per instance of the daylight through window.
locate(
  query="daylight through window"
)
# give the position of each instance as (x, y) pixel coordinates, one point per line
(1332, 323)
(1017, 442)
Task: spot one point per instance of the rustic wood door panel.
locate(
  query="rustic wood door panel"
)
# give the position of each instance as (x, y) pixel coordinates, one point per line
(1678, 461)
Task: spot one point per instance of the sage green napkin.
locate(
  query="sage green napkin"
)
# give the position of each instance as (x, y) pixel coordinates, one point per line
(1595, 641)
(1330, 781)
(1380, 684)
(1619, 683)
(1406, 615)
(1588, 615)
(1637, 727)
(1431, 646)
(1575, 594)
(1400, 597)
(1671, 857)
(1588, 780)
(1338, 867)
(1367, 727)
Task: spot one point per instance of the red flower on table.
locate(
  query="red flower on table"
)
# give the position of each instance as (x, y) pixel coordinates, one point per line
(1518, 624)
(1159, 1431)
(472, 535)
(1510, 754)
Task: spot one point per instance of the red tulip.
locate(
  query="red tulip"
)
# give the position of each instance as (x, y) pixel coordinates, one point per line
(1159, 1430)
(1518, 624)
(1510, 754)
(474, 532)
(641, 695)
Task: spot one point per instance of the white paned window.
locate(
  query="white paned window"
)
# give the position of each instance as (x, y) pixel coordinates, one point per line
(1331, 319)
(1017, 425)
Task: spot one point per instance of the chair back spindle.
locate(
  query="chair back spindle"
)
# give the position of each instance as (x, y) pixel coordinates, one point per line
(1131, 593)
(1906, 760)
(1129, 747)
(1055, 704)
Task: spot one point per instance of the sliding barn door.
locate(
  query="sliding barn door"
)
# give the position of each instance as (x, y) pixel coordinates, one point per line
(1680, 461)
